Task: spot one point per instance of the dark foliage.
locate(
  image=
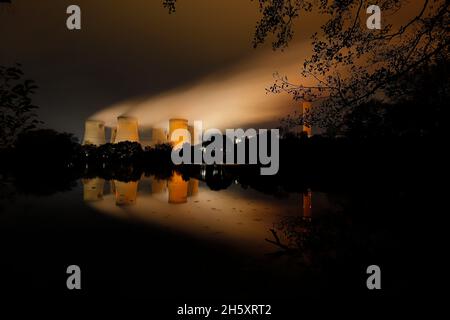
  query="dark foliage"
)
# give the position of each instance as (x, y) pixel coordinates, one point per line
(351, 65)
(45, 148)
(16, 109)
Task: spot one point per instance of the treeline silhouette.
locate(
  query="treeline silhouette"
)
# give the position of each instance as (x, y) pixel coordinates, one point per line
(382, 143)
(392, 145)
(44, 160)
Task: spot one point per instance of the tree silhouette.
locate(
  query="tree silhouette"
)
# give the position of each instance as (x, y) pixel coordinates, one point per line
(45, 148)
(17, 111)
(350, 64)
(170, 5)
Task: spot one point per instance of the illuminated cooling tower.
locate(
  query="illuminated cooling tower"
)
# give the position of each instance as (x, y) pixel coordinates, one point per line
(175, 124)
(113, 135)
(193, 187)
(305, 109)
(94, 132)
(178, 189)
(158, 136)
(127, 130)
(126, 192)
(93, 189)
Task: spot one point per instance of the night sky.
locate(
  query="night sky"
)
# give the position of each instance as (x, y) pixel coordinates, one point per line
(127, 49)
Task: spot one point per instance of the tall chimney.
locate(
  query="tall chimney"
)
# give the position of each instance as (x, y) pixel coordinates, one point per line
(306, 107)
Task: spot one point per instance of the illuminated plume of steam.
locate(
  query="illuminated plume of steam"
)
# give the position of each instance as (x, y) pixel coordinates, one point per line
(235, 98)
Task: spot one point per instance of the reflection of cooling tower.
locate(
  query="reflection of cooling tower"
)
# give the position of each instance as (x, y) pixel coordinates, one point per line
(158, 136)
(113, 135)
(158, 186)
(127, 129)
(94, 132)
(145, 185)
(307, 204)
(178, 189)
(193, 187)
(175, 124)
(306, 107)
(93, 189)
(126, 192)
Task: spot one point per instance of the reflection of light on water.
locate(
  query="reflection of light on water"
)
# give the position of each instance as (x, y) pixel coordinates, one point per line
(125, 192)
(178, 189)
(307, 204)
(203, 172)
(158, 186)
(193, 187)
(238, 217)
(93, 189)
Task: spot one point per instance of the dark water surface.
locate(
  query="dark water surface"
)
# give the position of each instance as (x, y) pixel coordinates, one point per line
(180, 240)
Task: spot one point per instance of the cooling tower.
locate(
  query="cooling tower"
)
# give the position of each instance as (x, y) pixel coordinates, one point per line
(178, 189)
(158, 136)
(127, 130)
(113, 135)
(306, 106)
(93, 189)
(175, 124)
(126, 192)
(94, 132)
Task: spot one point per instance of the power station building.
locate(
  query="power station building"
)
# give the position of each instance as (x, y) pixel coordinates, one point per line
(127, 129)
